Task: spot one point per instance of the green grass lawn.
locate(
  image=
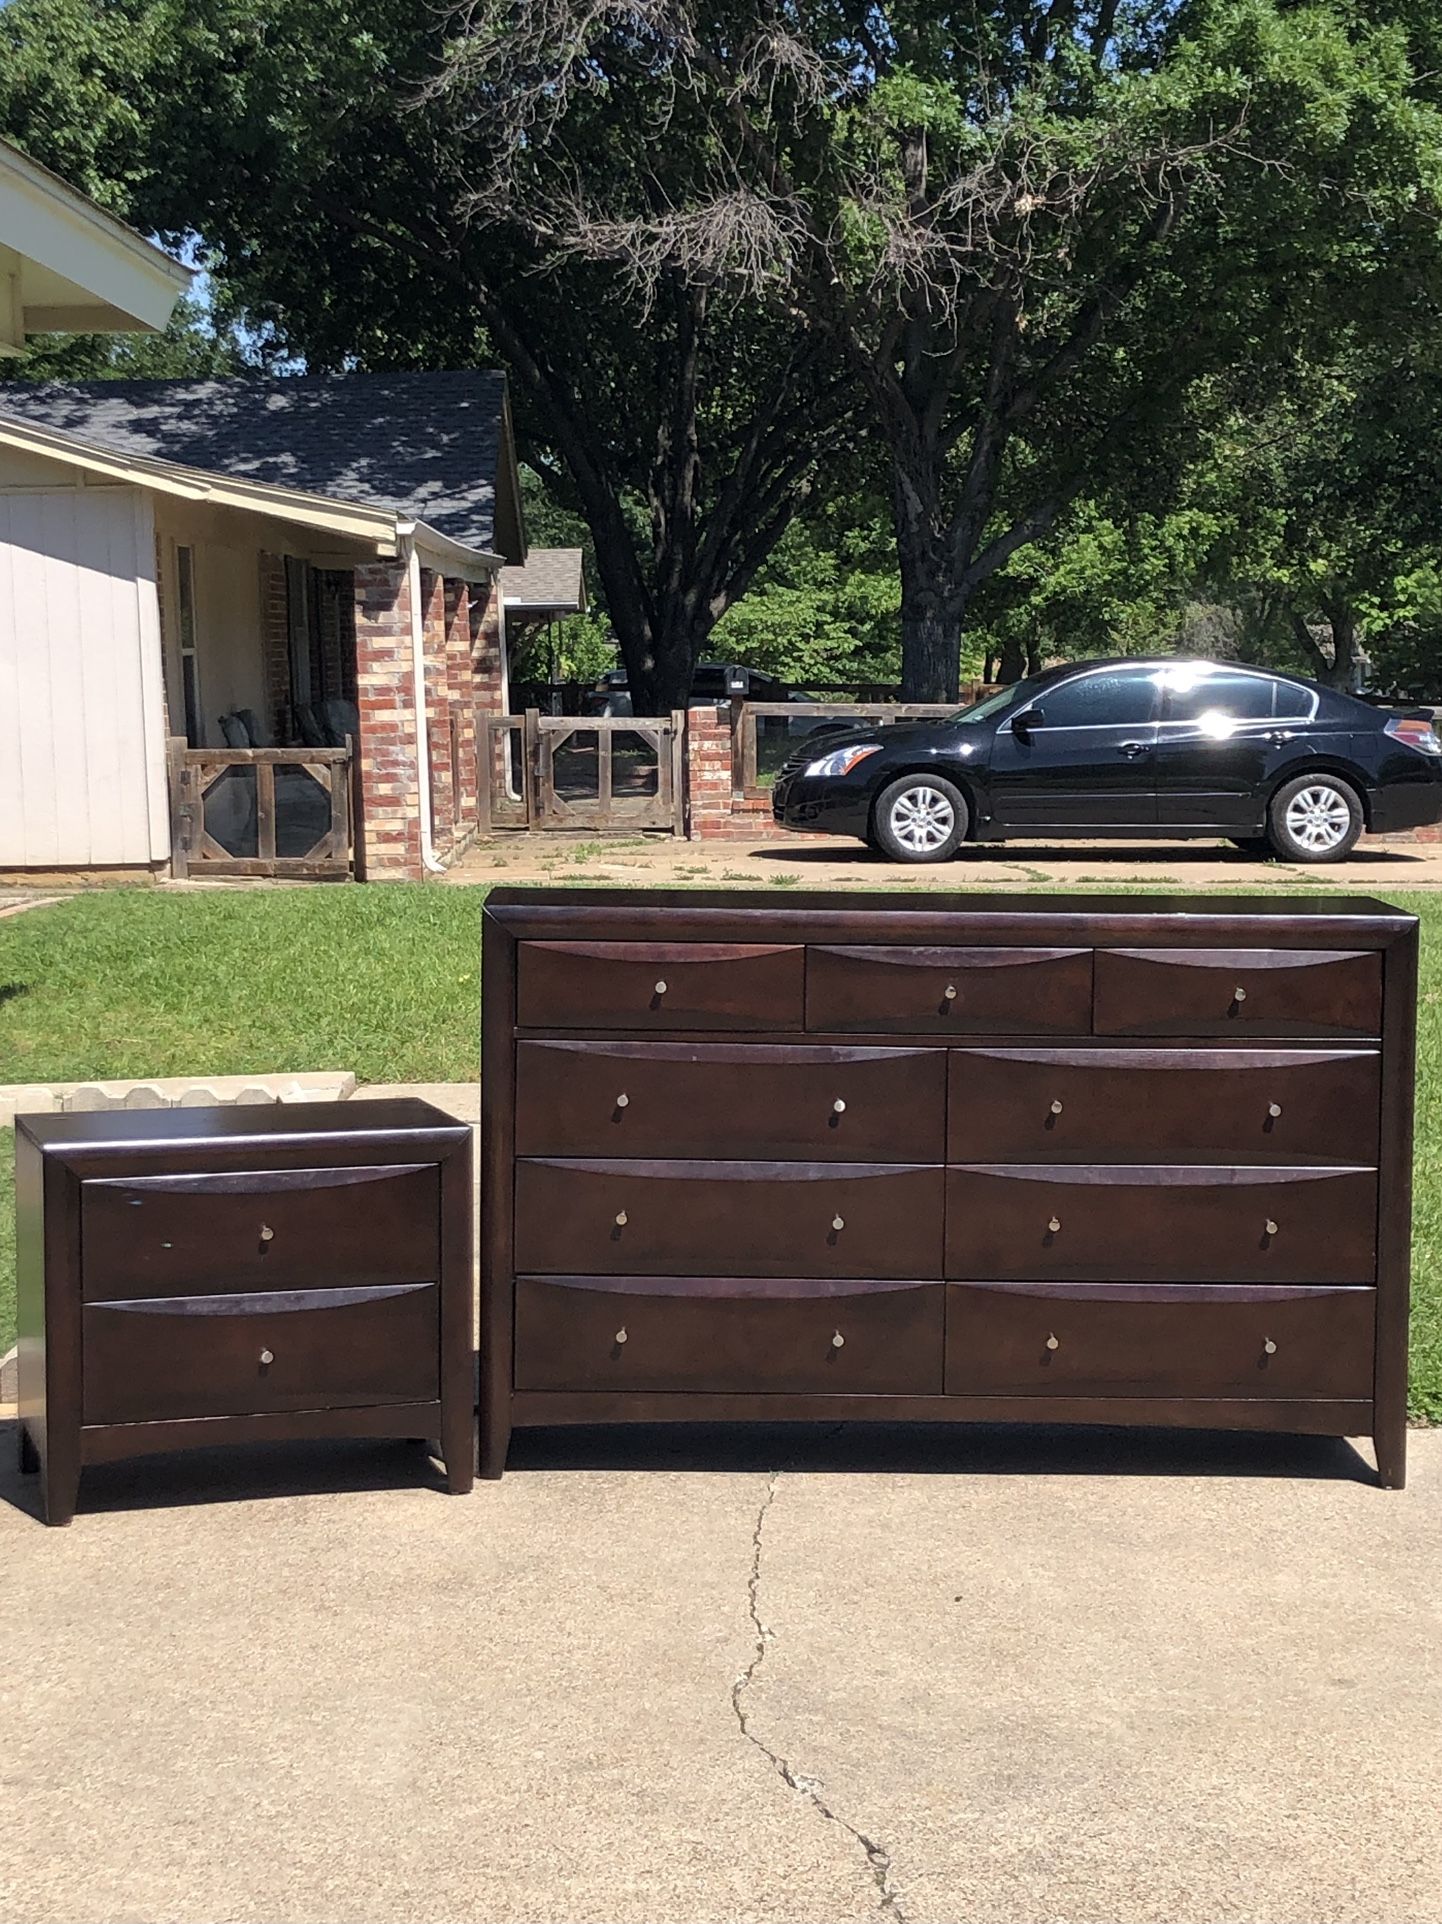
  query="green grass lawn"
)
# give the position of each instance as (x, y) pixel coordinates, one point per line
(386, 981)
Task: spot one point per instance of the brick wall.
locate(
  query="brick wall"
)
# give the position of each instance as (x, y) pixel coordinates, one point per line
(388, 828)
(714, 810)
(458, 692)
(487, 677)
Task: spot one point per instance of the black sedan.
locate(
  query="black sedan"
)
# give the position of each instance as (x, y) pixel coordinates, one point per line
(1147, 749)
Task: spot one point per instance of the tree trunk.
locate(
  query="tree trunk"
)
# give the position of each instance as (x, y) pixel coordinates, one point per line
(930, 655)
(1013, 662)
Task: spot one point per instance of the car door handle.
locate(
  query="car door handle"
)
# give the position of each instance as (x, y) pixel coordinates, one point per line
(1280, 735)
(1132, 749)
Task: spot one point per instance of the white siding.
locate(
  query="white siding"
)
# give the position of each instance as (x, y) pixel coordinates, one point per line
(82, 733)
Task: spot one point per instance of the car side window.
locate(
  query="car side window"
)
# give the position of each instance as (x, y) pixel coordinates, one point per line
(1293, 703)
(1238, 697)
(1111, 698)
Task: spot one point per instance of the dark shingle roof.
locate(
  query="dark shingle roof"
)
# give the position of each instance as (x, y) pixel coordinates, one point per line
(429, 446)
(552, 581)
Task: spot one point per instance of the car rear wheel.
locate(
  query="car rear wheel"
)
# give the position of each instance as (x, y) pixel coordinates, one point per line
(921, 818)
(1316, 818)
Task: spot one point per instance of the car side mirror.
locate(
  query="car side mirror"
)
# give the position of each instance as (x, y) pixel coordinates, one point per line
(1024, 722)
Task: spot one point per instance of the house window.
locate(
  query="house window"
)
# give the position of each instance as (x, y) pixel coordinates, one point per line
(185, 621)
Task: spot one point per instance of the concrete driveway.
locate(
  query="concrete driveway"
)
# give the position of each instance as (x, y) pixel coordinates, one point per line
(700, 1679)
(824, 861)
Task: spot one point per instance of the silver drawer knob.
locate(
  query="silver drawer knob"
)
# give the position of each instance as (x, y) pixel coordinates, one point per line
(1052, 1342)
(838, 1222)
(1274, 1109)
(838, 1341)
(267, 1356)
(621, 1335)
(267, 1234)
(1239, 994)
(1056, 1107)
(1054, 1225)
(950, 992)
(623, 1102)
(1271, 1227)
(1269, 1346)
(838, 1108)
(620, 1219)
(660, 988)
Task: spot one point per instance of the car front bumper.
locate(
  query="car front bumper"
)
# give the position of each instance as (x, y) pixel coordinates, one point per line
(814, 805)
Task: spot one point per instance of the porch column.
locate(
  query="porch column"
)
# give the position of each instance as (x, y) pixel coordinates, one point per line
(434, 634)
(388, 833)
(488, 695)
(458, 669)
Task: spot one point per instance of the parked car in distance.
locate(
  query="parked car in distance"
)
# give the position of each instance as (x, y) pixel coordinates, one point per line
(1154, 749)
(713, 681)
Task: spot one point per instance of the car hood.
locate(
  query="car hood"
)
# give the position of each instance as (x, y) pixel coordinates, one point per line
(825, 741)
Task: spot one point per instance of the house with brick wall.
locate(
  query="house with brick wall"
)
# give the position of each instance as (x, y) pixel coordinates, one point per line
(246, 621)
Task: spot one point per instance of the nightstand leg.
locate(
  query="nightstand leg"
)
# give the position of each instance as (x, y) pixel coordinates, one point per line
(1390, 1444)
(29, 1455)
(458, 1450)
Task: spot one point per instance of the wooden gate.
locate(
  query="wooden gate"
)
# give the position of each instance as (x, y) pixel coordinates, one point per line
(575, 772)
(260, 811)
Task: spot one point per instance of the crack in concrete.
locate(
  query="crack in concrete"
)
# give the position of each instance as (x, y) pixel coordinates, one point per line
(877, 1857)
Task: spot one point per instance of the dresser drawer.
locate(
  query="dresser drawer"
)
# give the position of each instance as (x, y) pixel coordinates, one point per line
(259, 1229)
(729, 1099)
(1036, 1339)
(945, 991)
(1161, 1222)
(1236, 992)
(613, 1217)
(658, 985)
(157, 1359)
(725, 1334)
(1123, 1104)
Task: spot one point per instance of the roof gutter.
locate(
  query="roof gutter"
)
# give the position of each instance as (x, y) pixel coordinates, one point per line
(423, 738)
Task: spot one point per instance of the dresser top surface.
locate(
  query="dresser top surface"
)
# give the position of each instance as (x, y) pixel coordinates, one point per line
(880, 912)
(227, 1124)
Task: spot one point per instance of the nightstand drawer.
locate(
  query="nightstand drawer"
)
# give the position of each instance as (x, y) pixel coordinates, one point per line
(729, 1099)
(1238, 992)
(611, 1218)
(155, 1359)
(946, 991)
(1121, 1104)
(1139, 1222)
(656, 986)
(1033, 1339)
(728, 1334)
(259, 1229)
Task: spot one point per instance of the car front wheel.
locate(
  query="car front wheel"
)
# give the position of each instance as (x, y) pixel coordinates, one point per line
(921, 818)
(1316, 818)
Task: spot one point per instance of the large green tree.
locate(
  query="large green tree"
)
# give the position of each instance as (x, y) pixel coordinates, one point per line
(1033, 233)
(337, 195)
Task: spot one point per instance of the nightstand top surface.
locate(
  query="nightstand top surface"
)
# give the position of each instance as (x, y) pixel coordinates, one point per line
(229, 1123)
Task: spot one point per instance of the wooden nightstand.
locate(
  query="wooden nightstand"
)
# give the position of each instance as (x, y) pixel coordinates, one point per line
(198, 1276)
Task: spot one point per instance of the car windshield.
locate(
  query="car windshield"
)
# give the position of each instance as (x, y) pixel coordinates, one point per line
(989, 705)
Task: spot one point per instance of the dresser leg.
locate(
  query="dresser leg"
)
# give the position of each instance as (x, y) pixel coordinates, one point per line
(59, 1491)
(1390, 1444)
(495, 1442)
(29, 1455)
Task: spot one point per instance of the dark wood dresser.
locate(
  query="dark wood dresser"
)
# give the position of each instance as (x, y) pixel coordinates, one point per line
(1135, 1160)
(215, 1275)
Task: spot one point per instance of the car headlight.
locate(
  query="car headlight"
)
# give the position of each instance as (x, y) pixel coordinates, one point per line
(841, 761)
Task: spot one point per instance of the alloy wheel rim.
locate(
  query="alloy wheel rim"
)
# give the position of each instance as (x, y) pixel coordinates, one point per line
(1318, 818)
(922, 819)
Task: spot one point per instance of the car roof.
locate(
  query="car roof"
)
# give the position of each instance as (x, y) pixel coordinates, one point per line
(1045, 676)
